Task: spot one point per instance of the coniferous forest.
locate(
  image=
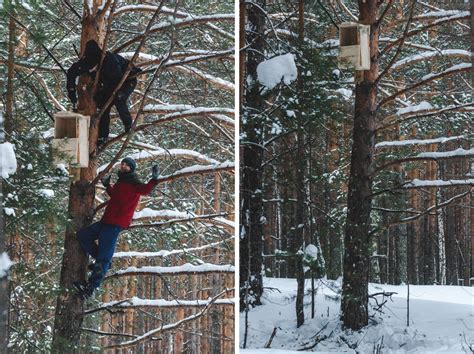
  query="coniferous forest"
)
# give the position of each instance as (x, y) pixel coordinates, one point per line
(170, 287)
(259, 176)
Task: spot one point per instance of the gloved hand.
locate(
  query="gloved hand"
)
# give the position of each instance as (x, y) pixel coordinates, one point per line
(72, 96)
(106, 181)
(155, 172)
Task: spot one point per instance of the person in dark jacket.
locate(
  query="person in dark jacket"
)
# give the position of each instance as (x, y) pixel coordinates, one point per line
(111, 72)
(124, 198)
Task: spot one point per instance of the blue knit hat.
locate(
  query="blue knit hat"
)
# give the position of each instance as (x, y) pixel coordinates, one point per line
(131, 163)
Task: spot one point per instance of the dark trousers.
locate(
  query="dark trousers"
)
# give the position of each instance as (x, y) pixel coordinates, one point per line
(106, 236)
(120, 103)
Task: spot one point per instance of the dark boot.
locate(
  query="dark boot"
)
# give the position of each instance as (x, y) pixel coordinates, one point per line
(101, 142)
(85, 291)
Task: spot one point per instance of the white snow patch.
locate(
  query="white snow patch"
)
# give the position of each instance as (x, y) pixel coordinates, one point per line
(185, 268)
(447, 71)
(8, 162)
(422, 106)
(47, 193)
(418, 141)
(9, 211)
(430, 54)
(439, 183)
(346, 94)
(311, 251)
(272, 71)
(453, 153)
(440, 317)
(5, 264)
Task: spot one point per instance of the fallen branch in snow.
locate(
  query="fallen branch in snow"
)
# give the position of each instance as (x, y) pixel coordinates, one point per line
(270, 340)
(318, 338)
(165, 328)
(385, 297)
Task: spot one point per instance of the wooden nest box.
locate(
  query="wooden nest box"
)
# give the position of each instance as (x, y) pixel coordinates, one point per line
(354, 46)
(71, 139)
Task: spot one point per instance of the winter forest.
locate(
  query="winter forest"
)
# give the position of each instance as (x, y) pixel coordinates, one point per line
(356, 211)
(170, 288)
(252, 176)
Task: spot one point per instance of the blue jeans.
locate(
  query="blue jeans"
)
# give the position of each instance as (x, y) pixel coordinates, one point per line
(106, 235)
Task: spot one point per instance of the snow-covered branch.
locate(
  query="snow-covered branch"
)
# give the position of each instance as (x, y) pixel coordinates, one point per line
(417, 183)
(179, 23)
(458, 153)
(184, 269)
(165, 253)
(174, 216)
(136, 302)
(398, 143)
(168, 327)
(198, 170)
(159, 153)
(427, 79)
(216, 81)
(447, 53)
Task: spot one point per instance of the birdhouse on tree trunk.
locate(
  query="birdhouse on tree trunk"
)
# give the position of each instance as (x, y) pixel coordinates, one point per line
(71, 139)
(354, 49)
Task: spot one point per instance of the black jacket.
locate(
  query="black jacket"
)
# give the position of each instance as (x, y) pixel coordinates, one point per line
(113, 68)
(111, 72)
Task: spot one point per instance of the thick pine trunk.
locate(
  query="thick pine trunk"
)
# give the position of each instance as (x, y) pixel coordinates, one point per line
(354, 304)
(69, 307)
(252, 218)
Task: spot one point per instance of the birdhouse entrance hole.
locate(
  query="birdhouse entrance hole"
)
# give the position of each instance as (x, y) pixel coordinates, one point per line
(71, 139)
(354, 48)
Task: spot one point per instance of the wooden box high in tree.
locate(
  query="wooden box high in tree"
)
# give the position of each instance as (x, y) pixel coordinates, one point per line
(71, 139)
(354, 51)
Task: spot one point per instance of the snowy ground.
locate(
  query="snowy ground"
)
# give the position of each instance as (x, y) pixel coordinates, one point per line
(441, 320)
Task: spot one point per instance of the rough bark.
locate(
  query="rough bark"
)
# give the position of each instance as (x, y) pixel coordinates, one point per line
(251, 240)
(298, 240)
(69, 308)
(8, 122)
(354, 306)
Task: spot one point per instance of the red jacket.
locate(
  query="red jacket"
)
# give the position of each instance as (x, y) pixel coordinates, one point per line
(124, 199)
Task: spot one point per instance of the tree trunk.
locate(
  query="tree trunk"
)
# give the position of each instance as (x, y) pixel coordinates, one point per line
(252, 218)
(354, 304)
(8, 123)
(298, 240)
(69, 308)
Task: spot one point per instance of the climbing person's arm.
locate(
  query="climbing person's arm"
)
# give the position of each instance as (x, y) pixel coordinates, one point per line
(146, 188)
(78, 68)
(106, 182)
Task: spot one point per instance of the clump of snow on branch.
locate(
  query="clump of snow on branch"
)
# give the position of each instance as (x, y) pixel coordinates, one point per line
(345, 93)
(5, 264)
(8, 163)
(275, 70)
(47, 193)
(422, 106)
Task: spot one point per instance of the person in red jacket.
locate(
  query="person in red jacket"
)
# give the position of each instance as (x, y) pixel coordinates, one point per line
(124, 198)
